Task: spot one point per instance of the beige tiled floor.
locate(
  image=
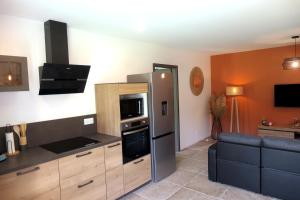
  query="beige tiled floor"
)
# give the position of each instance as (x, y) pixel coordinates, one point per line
(190, 181)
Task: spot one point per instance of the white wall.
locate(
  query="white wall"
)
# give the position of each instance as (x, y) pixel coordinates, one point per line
(111, 60)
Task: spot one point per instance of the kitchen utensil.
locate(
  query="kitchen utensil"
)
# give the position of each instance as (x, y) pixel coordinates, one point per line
(23, 128)
(17, 130)
(10, 142)
(23, 138)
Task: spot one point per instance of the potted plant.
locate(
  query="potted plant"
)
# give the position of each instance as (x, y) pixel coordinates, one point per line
(217, 109)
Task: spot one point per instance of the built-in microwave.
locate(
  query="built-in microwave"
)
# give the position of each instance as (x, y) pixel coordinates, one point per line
(131, 107)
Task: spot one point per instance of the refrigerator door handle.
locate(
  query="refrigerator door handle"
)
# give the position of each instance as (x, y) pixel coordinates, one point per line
(139, 111)
(135, 131)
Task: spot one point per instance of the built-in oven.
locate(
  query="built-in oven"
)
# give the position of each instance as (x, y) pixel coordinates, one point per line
(135, 139)
(131, 107)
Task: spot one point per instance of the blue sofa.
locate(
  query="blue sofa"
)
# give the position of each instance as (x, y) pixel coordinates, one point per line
(270, 166)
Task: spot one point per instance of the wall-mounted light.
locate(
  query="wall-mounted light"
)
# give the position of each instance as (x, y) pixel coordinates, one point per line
(294, 62)
(9, 76)
(163, 75)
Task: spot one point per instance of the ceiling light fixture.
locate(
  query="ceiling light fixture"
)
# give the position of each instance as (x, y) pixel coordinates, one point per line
(294, 62)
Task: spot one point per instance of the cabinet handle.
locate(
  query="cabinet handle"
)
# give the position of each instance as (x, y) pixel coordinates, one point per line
(28, 171)
(138, 161)
(85, 184)
(85, 154)
(111, 146)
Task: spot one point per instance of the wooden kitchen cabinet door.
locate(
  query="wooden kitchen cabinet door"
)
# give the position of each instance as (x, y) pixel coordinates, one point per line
(136, 173)
(89, 189)
(113, 155)
(87, 162)
(115, 183)
(40, 182)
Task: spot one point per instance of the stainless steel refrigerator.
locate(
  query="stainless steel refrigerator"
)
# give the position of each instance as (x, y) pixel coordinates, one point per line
(161, 114)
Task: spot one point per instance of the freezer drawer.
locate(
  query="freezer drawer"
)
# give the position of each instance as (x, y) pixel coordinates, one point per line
(163, 152)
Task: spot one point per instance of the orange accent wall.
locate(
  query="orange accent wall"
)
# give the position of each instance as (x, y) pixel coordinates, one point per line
(257, 71)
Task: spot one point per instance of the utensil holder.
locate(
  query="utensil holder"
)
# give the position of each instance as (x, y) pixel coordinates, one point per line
(23, 143)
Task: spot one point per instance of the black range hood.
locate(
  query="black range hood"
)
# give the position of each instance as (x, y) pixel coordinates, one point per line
(57, 76)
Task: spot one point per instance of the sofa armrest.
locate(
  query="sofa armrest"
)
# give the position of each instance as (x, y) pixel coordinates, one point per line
(212, 162)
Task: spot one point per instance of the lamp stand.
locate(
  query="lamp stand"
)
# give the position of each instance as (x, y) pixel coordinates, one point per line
(234, 107)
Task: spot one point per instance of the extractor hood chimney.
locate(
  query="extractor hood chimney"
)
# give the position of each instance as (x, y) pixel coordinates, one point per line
(57, 76)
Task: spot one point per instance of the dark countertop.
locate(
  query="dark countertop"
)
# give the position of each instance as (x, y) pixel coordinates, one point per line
(37, 155)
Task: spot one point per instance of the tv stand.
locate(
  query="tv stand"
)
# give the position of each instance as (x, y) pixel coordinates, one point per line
(279, 131)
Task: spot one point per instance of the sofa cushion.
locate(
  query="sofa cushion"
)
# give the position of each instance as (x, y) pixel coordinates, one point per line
(280, 184)
(239, 153)
(240, 139)
(281, 160)
(239, 174)
(281, 143)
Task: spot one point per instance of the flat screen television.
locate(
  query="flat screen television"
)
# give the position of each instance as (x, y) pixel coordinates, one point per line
(287, 95)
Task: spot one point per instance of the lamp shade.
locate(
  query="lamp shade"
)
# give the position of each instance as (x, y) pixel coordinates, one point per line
(291, 63)
(234, 90)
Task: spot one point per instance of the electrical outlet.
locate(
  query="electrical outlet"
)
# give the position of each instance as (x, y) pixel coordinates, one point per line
(88, 121)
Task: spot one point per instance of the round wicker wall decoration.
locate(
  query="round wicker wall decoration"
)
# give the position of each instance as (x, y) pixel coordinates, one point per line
(196, 81)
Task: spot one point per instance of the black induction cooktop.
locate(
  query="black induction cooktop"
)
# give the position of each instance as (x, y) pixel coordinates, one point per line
(69, 144)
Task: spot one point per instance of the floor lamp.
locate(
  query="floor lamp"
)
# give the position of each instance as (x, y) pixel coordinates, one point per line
(234, 91)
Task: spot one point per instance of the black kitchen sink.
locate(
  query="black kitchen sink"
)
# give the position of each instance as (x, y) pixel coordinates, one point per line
(69, 144)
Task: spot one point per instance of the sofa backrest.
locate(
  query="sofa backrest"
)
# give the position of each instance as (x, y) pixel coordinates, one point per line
(237, 138)
(239, 148)
(281, 154)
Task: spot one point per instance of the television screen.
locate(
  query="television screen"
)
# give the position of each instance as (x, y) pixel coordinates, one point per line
(287, 95)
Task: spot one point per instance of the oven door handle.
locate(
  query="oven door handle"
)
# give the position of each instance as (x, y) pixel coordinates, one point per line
(135, 131)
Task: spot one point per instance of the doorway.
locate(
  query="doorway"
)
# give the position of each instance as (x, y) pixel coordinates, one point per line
(174, 70)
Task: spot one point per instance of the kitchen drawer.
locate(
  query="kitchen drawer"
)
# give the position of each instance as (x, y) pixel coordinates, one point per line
(113, 155)
(89, 189)
(53, 194)
(40, 182)
(90, 163)
(136, 173)
(114, 183)
(133, 88)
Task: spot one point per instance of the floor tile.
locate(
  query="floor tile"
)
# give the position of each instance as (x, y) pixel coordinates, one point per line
(192, 165)
(200, 155)
(202, 184)
(158, 191)
(132, 196)
(188, 153)
(181, 177)
(237, 194)
(188, 194)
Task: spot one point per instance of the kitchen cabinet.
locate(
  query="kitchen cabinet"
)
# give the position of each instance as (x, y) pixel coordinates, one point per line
(86, 189)
(95, 174)
(136, 173)
(114, 170)
(113, 155)
(82, 175)
(39, 182)
(115, 183)
(88, 163)
(108, 104)
(133, 88)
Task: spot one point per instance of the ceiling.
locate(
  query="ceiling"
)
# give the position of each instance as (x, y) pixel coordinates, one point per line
(206, 25)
